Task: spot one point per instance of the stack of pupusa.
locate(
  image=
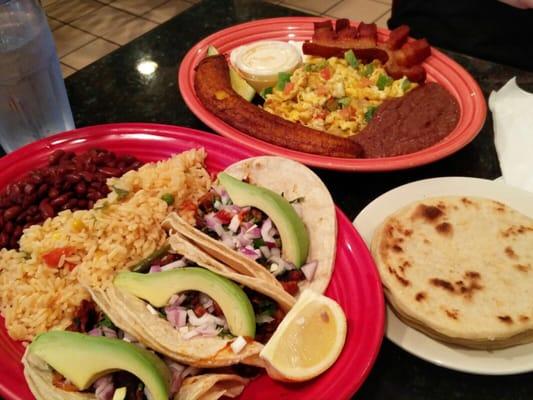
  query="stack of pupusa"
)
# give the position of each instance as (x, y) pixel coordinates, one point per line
(459, 269)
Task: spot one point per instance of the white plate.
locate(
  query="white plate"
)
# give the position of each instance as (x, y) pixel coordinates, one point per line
(513, 360)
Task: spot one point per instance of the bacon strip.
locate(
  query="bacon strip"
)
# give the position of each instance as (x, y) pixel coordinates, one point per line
(399, 57)
(213, 88)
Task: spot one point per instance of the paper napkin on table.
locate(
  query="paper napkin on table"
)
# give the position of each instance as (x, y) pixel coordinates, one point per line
(512, 113)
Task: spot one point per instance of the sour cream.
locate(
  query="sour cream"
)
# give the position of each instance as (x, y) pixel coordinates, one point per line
(260, 62)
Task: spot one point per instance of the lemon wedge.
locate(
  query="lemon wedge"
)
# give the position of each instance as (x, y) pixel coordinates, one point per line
(308, 340)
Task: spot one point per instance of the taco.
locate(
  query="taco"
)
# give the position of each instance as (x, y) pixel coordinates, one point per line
(74, 366)
(270, 218)
(192, 308)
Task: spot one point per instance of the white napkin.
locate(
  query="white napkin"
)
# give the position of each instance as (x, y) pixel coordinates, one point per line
(512, 113)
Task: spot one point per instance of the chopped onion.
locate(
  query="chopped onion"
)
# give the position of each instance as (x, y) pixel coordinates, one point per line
(104, 388)
(266, 251)
(95, 332)
(238, 344)
(128, 338)
(266, 230)
(227, 239)
(204, 319)
(209, 330)
(174, 366)
(190, 334)
(176, 264)
(151, 309)
(108, 332)
(197, 321)
(253, 232)
(154, 268)
(309, 269)
(212, 222)
(206, 303)
(234, 224)
(275, 252)
(264, 318)
(190, 371)
(276, 269)
(224, 196)
(246, 225)
(251, 252)
(175, 383)
(177, 316)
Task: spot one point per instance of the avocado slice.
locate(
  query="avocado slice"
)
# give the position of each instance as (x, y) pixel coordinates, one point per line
(238, 83)
(159, 287)
(292, 231)
(82, 359)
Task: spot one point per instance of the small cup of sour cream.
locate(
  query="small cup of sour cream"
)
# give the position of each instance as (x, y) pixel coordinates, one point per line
(259, 63)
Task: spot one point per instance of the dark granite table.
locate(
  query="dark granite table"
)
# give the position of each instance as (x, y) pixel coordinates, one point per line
(112, 90)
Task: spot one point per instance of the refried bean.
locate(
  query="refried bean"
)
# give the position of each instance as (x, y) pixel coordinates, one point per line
(418, 120)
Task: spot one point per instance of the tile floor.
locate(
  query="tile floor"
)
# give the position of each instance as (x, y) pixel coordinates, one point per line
(86, 30)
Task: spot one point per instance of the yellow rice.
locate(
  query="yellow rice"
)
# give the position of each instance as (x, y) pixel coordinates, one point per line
(115, 234)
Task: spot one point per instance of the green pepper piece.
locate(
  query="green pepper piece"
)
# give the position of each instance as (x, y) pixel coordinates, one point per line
(383, 81)
(283, 79)
(369, 113)
(105, 321)
(367, 70)
(406, 85)
(144, 264)
(344, 101)
(351, 59)
(263, 93)
(121, 193)
(319, 66)
(168, 198)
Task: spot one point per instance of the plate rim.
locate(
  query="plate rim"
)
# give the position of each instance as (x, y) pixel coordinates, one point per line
(197, 138)
(442, 149)
(450, 360)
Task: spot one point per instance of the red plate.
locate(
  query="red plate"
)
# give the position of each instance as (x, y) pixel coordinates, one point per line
(355, 283)
(439, 67)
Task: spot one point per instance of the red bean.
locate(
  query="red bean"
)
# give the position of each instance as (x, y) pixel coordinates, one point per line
(46, 209)
(29, 188)
(81, 188)
(12, 213)
(53, 193)
(18, 232)
(43, 189)
(110, 171)
(55, 157)
(9, 227)
(4, 238)
(60, 200)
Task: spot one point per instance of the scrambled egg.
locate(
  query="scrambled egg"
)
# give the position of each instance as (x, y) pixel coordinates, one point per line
(333, 96)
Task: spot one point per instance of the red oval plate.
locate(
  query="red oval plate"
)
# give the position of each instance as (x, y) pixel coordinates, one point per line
(355, 284)
(439, 67)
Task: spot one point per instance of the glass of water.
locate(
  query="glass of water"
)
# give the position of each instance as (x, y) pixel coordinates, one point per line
(33, 98)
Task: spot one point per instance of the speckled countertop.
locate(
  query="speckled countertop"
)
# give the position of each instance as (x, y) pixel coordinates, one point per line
(112, 90)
